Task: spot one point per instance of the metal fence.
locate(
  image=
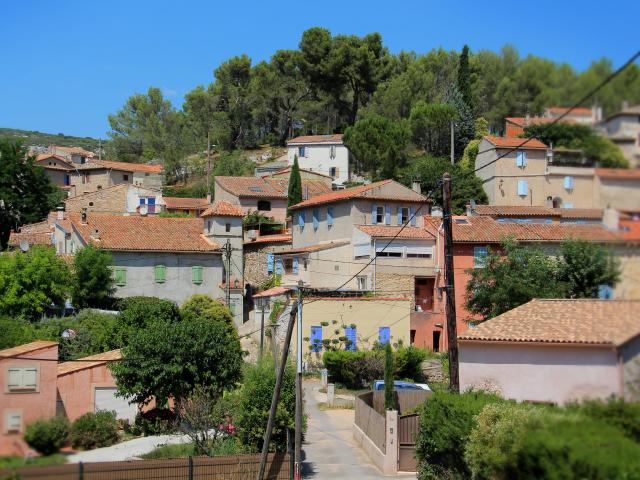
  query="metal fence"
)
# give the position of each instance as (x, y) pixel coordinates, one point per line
(237, 467)
(369, 421)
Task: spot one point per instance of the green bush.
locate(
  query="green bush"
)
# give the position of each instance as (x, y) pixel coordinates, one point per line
(47, 436)
(157, 421)
(15, 331)
(94, 430)
(446, 421)
(613, 411)
(409, 362)
(138, 312)
(354, 369)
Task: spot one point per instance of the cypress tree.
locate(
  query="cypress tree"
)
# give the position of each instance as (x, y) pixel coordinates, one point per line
(464, 76)
(389, 397)
(295, 184)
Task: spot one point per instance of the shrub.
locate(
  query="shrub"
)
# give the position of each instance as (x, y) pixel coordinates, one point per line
(409, 362)
(354, 369)
(614, 411)
(204, 306)
(156, 421)
(446, 421)
(47, 436)
(94, 430)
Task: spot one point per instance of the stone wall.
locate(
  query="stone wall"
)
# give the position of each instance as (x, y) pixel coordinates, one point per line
(255, 265)
(108, 200)
(394, 285)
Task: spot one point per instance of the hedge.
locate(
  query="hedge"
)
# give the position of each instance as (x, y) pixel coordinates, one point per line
(47, 436)
(94, 430)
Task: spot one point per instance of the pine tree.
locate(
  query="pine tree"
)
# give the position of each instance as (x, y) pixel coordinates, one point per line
(389, 397)
(295, 184)
(464, 76)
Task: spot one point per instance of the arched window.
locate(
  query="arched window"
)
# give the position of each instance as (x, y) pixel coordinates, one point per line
(264, 205)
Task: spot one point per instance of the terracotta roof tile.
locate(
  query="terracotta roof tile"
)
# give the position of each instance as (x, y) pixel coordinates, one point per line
(384, 231)
(630, 229)
(151, 234)
(26, 348)
(515, 211)
(525, 122)
(611, 322)
(74, 150)
(272, 292)
(578, 110)
(618, 173)
(279, 238)
(515, 142)
(100, 359)
(94, 164)
(223, 209)
(262, 187)
(580, 213)
(336, 137)
(185, 203)
(39, 233)
(310, 248)
(310, 188)
(288, 170)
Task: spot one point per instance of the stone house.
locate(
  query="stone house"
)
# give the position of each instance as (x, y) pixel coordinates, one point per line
(121, 199)
(514, 126)
(325, 154)
(623, 129)
(555, 351)
(188, 206)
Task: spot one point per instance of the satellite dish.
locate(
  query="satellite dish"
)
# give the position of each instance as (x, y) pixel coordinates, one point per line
(473, 204)
(24, 246)
(69, 334)
(143, 210)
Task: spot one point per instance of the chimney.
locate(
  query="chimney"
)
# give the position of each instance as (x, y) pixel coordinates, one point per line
(596, 113)
(470, 211)
(611, 218)
(436, 211)
(549, 202)
(208, 198)
(60, 213)
(83, 216)
(415, 186)
(95, 234)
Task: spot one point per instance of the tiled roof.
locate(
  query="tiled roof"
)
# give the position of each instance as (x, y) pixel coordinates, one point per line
(310, 248)
(100, 359)
(580, 213)
(515, 142)
(26, 348)
(45, 156)
(223, 209)
(618, 173)
(578, 110)
(336, 137)
(385, 231)
(310, 188)
(630, 229)
(279, 238)
(35, 233)
(94, 164)
(150, 234)
(184, 203)
(584, 321)
(361, 191)
(74, 150)
(533, 211)
(261, 187)
(272, 292)
(524, 121)
(288, 169)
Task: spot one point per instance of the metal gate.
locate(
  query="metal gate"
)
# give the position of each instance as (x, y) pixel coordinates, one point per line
(407, 432)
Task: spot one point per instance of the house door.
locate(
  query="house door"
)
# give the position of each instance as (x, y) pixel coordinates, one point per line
(424, 294)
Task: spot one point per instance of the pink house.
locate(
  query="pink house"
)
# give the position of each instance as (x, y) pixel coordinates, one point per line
(28, 379)
(555, 351)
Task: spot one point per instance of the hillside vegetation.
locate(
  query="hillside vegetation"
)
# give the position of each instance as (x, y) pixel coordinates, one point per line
(34, 138)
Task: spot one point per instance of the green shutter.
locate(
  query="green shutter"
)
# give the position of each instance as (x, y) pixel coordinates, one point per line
(196, 274)
(121, 276)
(161, 272)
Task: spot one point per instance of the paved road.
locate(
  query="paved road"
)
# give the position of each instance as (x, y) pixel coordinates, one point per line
(329, 451)
(126, 450)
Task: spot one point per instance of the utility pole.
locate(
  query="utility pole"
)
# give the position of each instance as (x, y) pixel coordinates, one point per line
(452, 144)
(454, 383)
(99, 149)
(208, 167)
(298, 421)
(276, 392)
(227, 252)
(263, 302)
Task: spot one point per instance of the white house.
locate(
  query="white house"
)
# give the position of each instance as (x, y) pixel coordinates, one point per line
(325, 154)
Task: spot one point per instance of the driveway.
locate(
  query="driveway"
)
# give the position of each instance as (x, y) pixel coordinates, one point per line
(126, 450)
(329, 451)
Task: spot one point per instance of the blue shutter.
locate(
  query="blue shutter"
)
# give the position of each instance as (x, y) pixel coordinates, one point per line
(350, 333)
(480, 255)
(295, 265)
(301, 220)
(316, 339)
(374, 211)
(384, 335)
(387, 215)
(269, 262)
(279, 267)
(523, 188)
(329, 216)
(568, 205)
(521, 159)
(605, 292)
(316, 220)
(568, 183)
(142, 201)
(412, 216)
(152, 200)
(399, 219)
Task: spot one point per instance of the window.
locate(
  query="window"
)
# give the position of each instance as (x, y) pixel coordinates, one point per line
(152, 204)
(288, 265)
(389, 254)
(270, 262)
(413, 216)
(329, 217)
(208, 225)
(125, 177)
(67, 179)
(160, 273)
(120, 276)
(418, 255)
(403, 215)
(332, 151)
(13, 422)
(22, 379)
(333, 172)
(143, 201)
(568, 205)
(264, 206)
(316, 339)
(521, 159)
(384, 335)
(523, 188)
(294, 266)
(91, 204)
(227, 227)
(301, 220)
(480, 256)
(568, 183)
(279, 267)
(351, 334)
(196, 274)
(316, 219)
(605, 292)
(378, 214)
(301, 151)
(387, 215)
(362, 282)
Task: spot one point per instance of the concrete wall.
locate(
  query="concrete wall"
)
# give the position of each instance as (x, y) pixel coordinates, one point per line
(318, 159)
(33, 405)
(76, 390)
(540, 373)
(630, 356)
(620, 194)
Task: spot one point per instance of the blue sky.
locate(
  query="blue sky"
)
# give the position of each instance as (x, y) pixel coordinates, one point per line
(65, 65)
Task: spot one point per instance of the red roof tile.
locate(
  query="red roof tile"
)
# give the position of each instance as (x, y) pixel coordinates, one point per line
(99, 359)
(182, 203)
(515, 211)
(336, 137)
(630, 229)
(288, 169)
(524, 121)
(94, 164)
(515, 142)
(39, 233)
(310, 248)
(262, 187)
(223, 209)
(26, 348)
(618, 173)
(279, 238)
(272, 292)
(384, 231)
(578, 110)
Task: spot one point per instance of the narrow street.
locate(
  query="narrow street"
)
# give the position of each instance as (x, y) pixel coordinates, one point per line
(329, 451)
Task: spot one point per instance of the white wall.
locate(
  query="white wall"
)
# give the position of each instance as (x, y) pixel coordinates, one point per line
(317, 159)
(539, 373)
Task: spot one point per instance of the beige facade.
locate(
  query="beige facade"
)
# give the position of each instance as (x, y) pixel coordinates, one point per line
(620, 193)
(118, 199)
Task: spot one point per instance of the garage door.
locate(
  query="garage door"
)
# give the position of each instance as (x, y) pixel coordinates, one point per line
(106, 400)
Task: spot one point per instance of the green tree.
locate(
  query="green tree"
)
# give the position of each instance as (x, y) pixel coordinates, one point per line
(203, 306)
(93, 284)
(32, 282)
(389, 369)
(471, 150)
(510, 277)
(26, 194)
(431, 127)
(295, 184)
(378, 144)
(585, 266)
(464, 124)
(139, 312)
(464, 76)
(171, 358)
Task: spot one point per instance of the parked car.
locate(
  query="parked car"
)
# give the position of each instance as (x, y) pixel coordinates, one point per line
(401, 385)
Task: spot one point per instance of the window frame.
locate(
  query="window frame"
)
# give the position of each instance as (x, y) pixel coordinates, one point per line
(197, 279)
(22, 388)
(227, 227)
(7, 414)
(160, 273)
(480, 261)
(302, 150)
(120, 276)
(380, 213)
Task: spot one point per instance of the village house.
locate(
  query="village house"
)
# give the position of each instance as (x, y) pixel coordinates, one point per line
(514, 126)
(121, 199)
(555, 351)
(325, 154)
(187, 206)
(520, 214)
(623, 129)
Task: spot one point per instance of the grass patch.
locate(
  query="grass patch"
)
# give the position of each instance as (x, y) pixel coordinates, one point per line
(17, 462)
(227, 446)
(339, 390)
(337, 405)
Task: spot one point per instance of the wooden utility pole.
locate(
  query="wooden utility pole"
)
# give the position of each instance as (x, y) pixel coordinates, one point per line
(263, 301)
(227, 252)
(452, 143)
(454, 382)
(276, 392)
(298, 421)
(208, 167)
